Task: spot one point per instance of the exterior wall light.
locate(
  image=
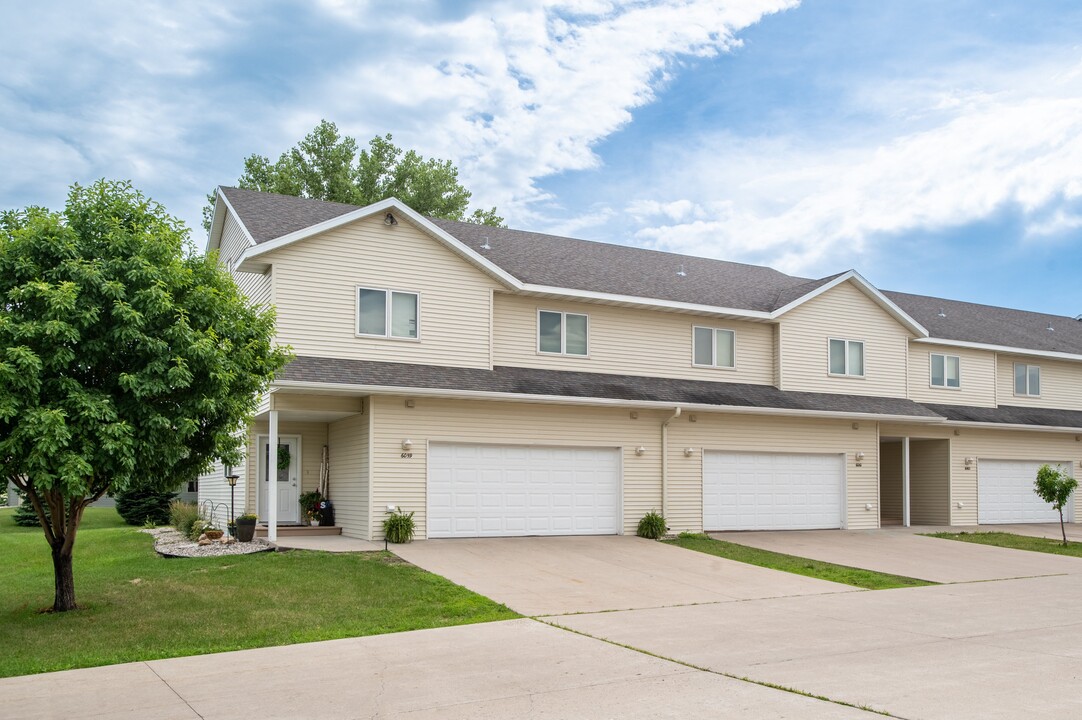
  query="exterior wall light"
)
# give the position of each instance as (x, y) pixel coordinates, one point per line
(859, 456)
(407, 445)
(640, 450)
(969, 463)
(688, 452)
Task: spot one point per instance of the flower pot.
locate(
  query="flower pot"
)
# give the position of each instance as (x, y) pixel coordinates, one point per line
(214, 534)
(314, 523)
(245, 530)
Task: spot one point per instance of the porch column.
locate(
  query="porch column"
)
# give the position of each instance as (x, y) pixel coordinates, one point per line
(272, 478)
(905, 481)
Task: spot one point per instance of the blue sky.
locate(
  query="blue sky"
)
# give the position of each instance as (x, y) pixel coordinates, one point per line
(936, 147)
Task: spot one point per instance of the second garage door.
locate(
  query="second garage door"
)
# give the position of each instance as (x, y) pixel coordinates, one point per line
(505, 490)
(1005, 493)
(772, 491)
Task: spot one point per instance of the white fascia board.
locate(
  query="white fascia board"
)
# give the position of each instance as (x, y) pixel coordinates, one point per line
(1012, 426)
(644, 302)
(605, 402)
(220, 197)
(1001, 348)
(870, 290)
(380, 207)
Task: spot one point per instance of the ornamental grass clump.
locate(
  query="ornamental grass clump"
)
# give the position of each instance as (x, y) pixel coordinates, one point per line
(652, 526)
(398, 527)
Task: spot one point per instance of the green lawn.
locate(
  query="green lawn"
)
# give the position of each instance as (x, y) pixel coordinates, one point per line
(139, 606)
(1017, 542)
(868, 579)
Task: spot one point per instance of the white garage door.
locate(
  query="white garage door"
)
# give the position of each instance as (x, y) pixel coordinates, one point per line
(771, 491)
(1005, 493)
(501, 490)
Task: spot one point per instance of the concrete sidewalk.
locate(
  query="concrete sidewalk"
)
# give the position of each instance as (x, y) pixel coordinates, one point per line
(518, 668)
(902, 552)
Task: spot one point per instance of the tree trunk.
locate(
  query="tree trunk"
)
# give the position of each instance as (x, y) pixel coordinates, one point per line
(1062, 529)
(64, 580)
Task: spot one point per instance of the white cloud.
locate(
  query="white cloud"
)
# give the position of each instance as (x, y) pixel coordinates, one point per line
(808, 206)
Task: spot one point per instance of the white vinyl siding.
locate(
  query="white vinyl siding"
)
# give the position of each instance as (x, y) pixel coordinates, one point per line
(562, 333)
(511, 490)
(843, 312)
(347, 442)
(254, 286)
(946, 370)
(713, 347)
(399, 318)
(315, 288)
(977, 388)
(1027, 379)
(628, 341)
(846, 357)
(1060, 383)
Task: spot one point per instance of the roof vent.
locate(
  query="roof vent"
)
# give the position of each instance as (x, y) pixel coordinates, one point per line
(485, 245)
(1078, 318)
(941, 313)
(1050, 328)
(682, 272)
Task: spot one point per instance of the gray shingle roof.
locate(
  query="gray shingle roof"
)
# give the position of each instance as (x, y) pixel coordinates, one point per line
(533, 381)
(1009, 415)
(550, 260)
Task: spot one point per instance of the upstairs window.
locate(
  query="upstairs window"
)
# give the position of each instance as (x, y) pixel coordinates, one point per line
(946, 371)
(714, 347)
(1027, 379)
(847, 358)
(562, 333)
(387, 313)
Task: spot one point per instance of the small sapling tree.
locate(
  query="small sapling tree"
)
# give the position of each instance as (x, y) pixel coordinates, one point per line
(1054, 485)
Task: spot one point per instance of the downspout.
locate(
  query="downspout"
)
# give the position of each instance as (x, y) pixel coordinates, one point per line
(665, 465)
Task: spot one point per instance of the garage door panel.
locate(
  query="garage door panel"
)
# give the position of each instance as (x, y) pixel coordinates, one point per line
(771, 491)
(1005, 492)
(519, 490)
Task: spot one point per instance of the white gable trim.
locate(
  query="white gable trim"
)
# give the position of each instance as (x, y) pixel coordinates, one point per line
(1050, 354)
(868, 289)
(382, 206)
(217, 222)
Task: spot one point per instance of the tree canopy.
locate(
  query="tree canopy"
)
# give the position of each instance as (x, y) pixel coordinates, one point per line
(124, 356)
(328, 166)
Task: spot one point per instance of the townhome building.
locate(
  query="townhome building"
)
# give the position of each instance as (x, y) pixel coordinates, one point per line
(498, 382)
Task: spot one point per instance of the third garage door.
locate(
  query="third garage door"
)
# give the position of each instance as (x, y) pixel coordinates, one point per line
(1005, 492)
(772, 491)
(503, 490)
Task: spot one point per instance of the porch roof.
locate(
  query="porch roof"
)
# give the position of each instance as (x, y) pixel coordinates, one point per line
(1010, 415)
(536, 383)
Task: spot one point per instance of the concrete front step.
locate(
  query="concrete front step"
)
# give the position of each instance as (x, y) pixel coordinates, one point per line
(299, 530)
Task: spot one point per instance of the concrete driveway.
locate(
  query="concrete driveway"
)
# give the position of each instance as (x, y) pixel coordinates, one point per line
(557, 575)
(902, 552)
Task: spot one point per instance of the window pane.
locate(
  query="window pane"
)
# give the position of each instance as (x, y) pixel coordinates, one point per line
(1019, 379)
(856, 358)
(1034, 379)
(372, 313)
(954, 372)
(837, 357)
(403, 315)
(576, 334)
(549, 331)
(704, 346)
(724, 353)
(938, 370)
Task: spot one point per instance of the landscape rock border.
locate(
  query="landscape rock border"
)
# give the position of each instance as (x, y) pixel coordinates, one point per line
(170, 543)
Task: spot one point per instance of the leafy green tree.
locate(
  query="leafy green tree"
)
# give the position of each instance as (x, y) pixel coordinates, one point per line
(328, 166)
(124, 356)
(1055, 486)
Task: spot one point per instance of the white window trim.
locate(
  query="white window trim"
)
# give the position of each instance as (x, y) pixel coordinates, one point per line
(387, 317)
(863, 354)
(944, 386)
(713, 347)
(1014, 374)
(563, 333)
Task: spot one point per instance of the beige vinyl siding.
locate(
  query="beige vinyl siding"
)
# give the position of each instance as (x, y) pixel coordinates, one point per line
(348, 443)
(403, 481)
(978, 376)
(255, 286)
(214, 488)
(843, 313)
(991, 444)
(315, 286)
(892, 488)
(313, 437)
(629, 341)
(929, 482)
(1061, 383)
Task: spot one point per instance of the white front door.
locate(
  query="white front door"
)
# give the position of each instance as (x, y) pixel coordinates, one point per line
(772, 491)
(502, 490)
(1005, 492)
(287, 483)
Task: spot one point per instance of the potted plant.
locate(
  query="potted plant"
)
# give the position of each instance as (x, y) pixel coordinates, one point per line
(245, 527)
(311, 504)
